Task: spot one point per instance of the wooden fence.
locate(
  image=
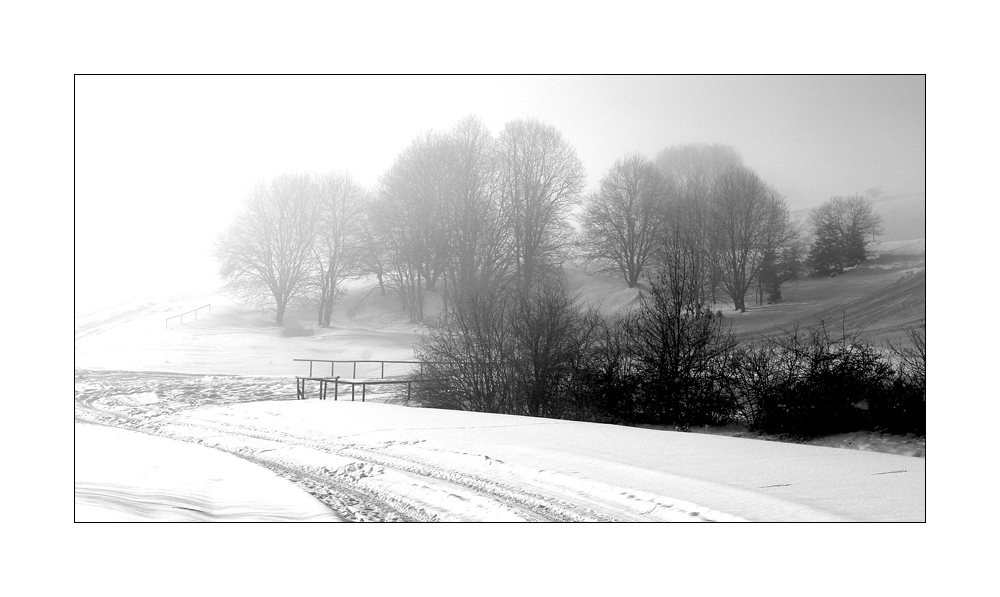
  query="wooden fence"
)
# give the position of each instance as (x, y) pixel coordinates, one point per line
(166, 323)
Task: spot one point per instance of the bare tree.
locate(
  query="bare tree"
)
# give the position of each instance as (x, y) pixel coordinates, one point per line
(400, 243)
(695, 167)
(506, 352)
(677, 347)
(540, 179)
(336, 252)
(749, 220)
(547, 342)
(694, 170)
(417, 188)
(265, 253)
(410, 218)
(478, 238)
(623, 221)
(469, 357)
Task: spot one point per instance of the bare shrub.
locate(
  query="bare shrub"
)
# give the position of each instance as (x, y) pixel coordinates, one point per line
(678, 349)
(904, 410)
(506, 351)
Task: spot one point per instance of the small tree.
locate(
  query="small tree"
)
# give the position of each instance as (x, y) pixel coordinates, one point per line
(678, 348)
(469, 356)
(506, 351)
(548, 342)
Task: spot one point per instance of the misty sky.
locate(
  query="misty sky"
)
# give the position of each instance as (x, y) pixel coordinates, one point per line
(163, 163)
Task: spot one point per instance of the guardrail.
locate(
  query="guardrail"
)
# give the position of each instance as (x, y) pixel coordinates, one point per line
(166, 323)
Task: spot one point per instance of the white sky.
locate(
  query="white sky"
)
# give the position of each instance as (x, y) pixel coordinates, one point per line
(164, 162)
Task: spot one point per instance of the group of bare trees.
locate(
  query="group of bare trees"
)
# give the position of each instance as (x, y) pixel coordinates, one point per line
(462, 211)
(294, 239)
(699, 201)
(457, 212)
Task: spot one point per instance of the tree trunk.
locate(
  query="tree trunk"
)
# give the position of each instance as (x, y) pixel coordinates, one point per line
(328, 311)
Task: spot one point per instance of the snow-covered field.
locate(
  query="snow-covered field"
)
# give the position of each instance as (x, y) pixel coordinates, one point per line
(199, 422)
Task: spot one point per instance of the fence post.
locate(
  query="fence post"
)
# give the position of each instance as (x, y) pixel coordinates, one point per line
(383, 370)
(354, 373)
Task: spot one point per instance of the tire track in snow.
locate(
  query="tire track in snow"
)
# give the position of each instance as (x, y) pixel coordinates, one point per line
(394, 481)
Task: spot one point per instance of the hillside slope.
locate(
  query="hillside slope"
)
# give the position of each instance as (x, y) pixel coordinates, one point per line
(886, 311)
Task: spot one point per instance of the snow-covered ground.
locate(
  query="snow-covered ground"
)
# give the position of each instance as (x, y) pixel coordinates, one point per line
(223, 386)
(127, 476)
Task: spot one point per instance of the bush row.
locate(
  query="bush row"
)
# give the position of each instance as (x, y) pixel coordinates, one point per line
(670, 362)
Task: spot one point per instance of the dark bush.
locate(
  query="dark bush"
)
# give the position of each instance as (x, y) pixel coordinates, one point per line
(507, 351)
(667, 363)
(904, 409)
(811, 383)
(604, 386)
(678, 349)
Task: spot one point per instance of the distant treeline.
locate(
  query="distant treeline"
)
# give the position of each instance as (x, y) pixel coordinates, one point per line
(485, 221)
(465, 208)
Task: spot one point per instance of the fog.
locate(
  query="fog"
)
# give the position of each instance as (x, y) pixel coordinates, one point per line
(164, 163)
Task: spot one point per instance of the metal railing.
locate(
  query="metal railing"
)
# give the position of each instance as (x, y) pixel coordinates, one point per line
(337, 380)
(166, 323)
(324, 385)
(354, 365)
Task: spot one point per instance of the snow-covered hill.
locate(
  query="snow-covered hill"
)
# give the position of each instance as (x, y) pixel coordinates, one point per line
(231, 388)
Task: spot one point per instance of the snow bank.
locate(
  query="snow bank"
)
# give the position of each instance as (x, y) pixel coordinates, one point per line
(127, 476)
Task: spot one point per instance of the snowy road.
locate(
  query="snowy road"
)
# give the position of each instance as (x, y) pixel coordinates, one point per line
(380, 462)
